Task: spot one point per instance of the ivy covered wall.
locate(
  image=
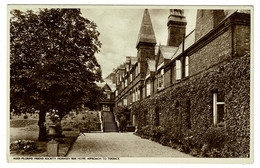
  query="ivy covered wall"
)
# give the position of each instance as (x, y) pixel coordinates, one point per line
(183, 112)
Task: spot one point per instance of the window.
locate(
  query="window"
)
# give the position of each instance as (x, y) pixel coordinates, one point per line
(148, 88)
(136, 70)
(106, 108)
(116, 92)
(160, 79)
(138, 94)
(131, 77)
(126, 82)
(178, 69)
(218, 108)
(108, 96)
(134, 96)
(131, 98)
(186, 66)
(125, 102)
(139, 68)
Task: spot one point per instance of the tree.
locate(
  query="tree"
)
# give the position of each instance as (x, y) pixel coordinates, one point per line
(52, 62)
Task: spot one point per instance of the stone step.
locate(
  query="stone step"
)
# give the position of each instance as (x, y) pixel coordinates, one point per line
(110, 126)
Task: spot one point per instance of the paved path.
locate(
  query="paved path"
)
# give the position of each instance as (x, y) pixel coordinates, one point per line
(119, 145)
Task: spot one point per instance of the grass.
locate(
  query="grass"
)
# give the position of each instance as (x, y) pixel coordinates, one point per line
(28, 130)
(22, 123)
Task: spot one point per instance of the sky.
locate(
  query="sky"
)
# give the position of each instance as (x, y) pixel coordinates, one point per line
(119, 30)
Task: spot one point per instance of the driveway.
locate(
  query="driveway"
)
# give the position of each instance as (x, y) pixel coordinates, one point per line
(120, 145)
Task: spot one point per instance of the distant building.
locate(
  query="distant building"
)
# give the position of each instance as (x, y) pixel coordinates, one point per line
(108, 102)
(196, 81)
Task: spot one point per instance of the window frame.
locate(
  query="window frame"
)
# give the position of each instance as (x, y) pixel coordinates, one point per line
(216, 103)
(178, 70)
(187, 63)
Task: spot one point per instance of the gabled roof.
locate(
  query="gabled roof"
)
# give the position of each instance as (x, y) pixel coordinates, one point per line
(167, 51)
(146, 33)
(106, 87)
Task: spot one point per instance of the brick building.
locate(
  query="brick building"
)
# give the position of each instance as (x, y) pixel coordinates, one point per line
(195, 82)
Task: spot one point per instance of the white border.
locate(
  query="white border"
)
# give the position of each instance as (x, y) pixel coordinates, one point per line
(3, 45)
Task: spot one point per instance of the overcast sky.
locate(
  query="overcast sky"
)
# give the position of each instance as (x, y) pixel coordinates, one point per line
(119, 30)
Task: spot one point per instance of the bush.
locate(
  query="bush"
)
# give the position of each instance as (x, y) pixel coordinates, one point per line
(23, 146)
(158, 132)
(215, 138)
(122, 124)
(25, 117)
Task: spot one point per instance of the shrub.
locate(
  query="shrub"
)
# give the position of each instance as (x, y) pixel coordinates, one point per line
(25, 117)
(23, 146)
(215, 137)
(122, 123)
(158, 132)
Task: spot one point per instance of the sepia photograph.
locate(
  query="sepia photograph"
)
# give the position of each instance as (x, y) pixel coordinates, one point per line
(130, 84)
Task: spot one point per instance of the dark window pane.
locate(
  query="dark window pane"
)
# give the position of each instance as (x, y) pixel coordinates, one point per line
(220, 109)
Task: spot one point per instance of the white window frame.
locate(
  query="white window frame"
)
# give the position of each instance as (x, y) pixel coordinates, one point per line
(160, 79)
(139, 68)
(125, 102)
(178, 70)
(186, 66)
(215, 108)
(148, 88)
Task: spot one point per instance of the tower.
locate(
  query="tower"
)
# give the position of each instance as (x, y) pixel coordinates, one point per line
(146, 42)
(176, 27)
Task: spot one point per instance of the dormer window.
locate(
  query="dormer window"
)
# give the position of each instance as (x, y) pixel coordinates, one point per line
(160, 79)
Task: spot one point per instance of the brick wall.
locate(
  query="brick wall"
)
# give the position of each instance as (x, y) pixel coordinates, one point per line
(206, 21)
(241, 40)
(216, 51)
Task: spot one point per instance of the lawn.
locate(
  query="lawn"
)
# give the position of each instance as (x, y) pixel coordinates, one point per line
(24, 132)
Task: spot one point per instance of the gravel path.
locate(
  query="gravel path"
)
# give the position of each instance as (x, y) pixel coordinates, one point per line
(120, 145)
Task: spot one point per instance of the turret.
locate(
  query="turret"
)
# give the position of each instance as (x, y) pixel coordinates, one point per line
(146, 42)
